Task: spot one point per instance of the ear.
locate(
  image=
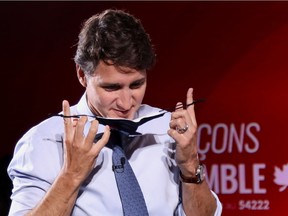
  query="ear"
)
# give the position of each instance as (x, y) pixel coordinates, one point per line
(81, 76)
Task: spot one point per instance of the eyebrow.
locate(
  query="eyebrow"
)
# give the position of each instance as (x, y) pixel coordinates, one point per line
(142, 80)
(106, 84)
(110, 85)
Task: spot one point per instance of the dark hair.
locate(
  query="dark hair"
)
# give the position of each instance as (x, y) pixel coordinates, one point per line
(117, 38)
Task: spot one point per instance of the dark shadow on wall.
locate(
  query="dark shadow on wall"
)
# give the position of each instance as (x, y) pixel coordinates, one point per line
(5, 186)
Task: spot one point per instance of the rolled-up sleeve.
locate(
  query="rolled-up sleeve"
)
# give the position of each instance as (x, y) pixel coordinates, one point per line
(180, 211)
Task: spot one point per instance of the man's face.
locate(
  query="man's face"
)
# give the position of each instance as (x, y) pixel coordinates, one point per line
(115, 92)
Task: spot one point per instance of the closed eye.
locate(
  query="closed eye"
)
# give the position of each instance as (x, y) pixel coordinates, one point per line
(137, 84)
(111, 87)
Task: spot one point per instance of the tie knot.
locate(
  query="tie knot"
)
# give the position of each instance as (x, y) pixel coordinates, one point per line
(118, 138)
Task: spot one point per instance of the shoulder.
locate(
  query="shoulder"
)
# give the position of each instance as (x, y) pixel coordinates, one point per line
(41, 137)
(49, 126)
(39, 151)
(45, 128)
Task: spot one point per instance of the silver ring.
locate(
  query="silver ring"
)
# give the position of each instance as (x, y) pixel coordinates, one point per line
(182, 130)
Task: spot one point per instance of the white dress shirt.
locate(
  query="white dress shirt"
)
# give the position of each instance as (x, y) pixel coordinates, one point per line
(38, 158)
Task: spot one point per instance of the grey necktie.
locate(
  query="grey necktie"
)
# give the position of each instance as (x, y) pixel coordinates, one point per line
(123, 132)
(132, 199)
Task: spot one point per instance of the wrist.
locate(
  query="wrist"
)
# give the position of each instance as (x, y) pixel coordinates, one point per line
(196, 178)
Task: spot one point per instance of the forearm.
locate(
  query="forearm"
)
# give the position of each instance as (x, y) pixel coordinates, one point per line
(60, 198)
(198, 200)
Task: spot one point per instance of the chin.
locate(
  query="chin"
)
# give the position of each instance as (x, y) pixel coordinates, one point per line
(122, 115)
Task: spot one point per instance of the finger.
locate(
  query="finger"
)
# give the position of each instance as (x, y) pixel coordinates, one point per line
(65, 109)
(180, 118)
(79, 130)
(103, 141)
(177, 117)
(179, 106)
(67, 121)
(191, 109)
(178, 122)
(179, 136)
(92, 131)
(74, 121)
(189, 98)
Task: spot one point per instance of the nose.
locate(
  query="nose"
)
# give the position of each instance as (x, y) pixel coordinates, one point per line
(124, 101)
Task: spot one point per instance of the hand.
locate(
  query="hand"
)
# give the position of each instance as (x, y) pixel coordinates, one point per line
(183, 129)
(80, 152)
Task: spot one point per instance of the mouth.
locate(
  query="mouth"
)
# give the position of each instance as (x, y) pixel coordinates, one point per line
(126, 114)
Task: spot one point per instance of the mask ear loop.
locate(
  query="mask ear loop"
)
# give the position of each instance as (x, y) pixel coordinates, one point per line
(181, 105)
(195, 101)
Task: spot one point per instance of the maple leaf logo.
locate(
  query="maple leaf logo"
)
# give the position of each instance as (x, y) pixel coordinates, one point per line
(281, 177)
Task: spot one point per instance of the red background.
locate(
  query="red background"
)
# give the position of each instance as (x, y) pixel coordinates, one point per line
(234, 54)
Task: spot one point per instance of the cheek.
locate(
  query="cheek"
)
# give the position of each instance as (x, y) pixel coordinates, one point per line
(103, 99)
(139, 96)
(98, 97)
(141, 93)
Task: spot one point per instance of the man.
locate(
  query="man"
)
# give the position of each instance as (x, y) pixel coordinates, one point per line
(64, 165)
